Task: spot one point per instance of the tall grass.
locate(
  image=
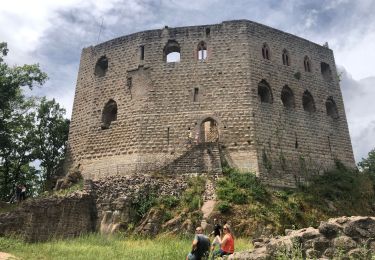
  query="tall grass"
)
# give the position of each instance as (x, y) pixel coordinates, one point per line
(98, 247)
(252, 207)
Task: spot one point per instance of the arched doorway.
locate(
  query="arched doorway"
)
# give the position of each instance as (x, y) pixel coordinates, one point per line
(209, 131)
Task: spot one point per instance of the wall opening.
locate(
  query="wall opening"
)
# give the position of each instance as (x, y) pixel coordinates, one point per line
(264, 92)
(202, 51)
(331, 108)
(208, 32)
(172, 51)
(308, 102)
(296, 143)
(326, 71)
(285, 57)
(329, 144)
(109, 114)
(142, 52)
(307, 64)
(196, 95)
(266, 51)
(287, 97)
(129, 84)
(101, 67)
(209, 131)
(168, 135)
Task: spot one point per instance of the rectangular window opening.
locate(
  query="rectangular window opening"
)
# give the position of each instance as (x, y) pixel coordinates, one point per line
(142, 48)
(196, 92)
(168, 135)
(129, 84)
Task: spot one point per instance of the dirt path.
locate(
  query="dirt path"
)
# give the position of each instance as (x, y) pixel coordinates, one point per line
(6, 256)
(207, 208)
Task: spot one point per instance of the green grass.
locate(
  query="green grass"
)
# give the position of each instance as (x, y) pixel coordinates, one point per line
(98, 247)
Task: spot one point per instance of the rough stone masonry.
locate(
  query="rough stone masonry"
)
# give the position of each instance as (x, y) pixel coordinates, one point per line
(175, 100)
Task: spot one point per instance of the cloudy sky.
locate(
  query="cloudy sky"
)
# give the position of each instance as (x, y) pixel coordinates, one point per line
(53, 33)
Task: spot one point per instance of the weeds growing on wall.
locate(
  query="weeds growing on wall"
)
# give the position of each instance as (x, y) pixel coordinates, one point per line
(63, 192)
(240, 188)
(144, 203)
(188, 203)
(192, 197)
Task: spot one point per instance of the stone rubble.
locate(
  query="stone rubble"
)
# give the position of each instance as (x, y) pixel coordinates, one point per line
(344, 237)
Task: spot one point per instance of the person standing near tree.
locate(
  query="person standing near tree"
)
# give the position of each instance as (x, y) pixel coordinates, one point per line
(23, 192)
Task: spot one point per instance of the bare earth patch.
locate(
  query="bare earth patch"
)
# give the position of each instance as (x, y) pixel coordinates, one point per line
(6, 256)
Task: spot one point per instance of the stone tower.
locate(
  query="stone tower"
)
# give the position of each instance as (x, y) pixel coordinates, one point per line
(175, 100)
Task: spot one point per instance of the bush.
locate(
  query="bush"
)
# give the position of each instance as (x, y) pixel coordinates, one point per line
(240, 188)
(144, 203)
(239, 197)
(224, 207)
(192, 196)
(169, 202)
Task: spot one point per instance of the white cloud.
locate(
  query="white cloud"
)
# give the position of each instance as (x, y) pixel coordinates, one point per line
(360, 112)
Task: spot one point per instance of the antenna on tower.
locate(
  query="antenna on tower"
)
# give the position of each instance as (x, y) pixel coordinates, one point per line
(100, 30)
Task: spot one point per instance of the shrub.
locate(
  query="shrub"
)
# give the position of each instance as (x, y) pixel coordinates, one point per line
(192, 195)
(143, 204)
(169, 202)
(239, 197)
(224, 207)
(240, 187)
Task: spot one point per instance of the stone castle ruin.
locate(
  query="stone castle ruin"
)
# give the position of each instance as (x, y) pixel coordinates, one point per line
(184, 100)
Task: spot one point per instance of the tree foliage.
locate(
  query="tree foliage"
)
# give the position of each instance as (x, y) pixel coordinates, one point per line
(368, 164)
(52, 133)
(25, 127)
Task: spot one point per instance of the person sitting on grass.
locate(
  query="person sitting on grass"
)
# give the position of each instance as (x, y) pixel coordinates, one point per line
(226, 244)
(217, 236)
(200, 247)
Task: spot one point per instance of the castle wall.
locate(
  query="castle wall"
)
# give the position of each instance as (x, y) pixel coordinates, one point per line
(160, 104)
(294, 142)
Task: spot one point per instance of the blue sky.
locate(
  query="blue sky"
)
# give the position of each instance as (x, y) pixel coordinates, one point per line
(53, 33)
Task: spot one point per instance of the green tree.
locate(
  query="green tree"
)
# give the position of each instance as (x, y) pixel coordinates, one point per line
(368, 164)
(17, 116)
(52, 134)
(31, 129)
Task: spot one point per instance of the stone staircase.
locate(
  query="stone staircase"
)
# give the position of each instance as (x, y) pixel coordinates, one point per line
(209, 201)
(201, 158)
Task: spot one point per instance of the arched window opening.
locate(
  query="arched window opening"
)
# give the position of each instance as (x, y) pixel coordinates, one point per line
(307, 64)
(172, 51)
(266, 51)
(109, 114)
(287, 97)
(202, 51)
(332, 108)
(209, 131)
(264, 92)
(308, 102)
(285, 58)
(101, 67)
(326, 71)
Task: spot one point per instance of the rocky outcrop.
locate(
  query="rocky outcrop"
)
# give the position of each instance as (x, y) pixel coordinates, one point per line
(344, 237)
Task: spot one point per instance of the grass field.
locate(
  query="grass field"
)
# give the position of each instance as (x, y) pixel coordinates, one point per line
(98, 247)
